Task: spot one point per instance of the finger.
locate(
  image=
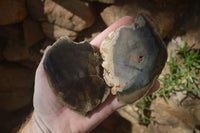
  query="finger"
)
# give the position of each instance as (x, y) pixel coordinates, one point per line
(102, 112)
(43, 95)
(40, 68)
(154, 88)
(96, 42)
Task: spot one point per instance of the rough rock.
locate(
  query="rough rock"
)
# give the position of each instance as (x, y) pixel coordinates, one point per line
(192, 106)
(129, 114)
(32, 32)
(13, 77)
(163, 19)
(29, 64)
(137, 128)
(12, 11)
(163, 2)
(16, 86)
(1, 51)
(104, 1)
(171, 50)
(192, 42)
(114, 124)
(1, 56)
(46, 43)
(191, 28)
(73, 15)
(193, 39)
(11, 101)
(54, 32)
(17, 51)
(170, 117)
(36, 9)
(11, 32)
(172, 47)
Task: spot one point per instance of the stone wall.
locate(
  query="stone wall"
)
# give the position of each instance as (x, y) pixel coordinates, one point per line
(28, 26)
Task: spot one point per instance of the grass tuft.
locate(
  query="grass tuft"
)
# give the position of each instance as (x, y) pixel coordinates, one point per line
(183, 75)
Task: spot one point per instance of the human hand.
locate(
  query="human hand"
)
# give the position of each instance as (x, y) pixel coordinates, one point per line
(50, 115)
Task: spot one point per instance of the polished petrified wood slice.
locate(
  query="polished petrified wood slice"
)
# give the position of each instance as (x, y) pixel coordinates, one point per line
(134, 56)
(73, 73)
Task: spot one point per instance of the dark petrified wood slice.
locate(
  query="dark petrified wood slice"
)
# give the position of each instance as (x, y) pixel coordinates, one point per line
(134, 56)
(73, 72)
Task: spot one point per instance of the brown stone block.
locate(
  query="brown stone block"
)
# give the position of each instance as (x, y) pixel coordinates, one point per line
(12, 11)
(16, 86)
(54, 32)
(32, 32)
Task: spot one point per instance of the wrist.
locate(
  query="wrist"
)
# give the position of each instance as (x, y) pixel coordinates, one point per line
(38, 125)
(34, 125)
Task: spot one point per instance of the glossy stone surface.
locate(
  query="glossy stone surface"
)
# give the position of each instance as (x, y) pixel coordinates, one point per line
(134, 56)
(73, 72)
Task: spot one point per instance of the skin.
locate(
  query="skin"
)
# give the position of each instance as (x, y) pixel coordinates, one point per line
(50, 115)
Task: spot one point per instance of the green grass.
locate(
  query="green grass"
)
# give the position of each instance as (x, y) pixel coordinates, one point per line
(184, 71)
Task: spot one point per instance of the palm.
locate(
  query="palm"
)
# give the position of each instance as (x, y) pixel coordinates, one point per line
(58, 118)
(54, 115)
